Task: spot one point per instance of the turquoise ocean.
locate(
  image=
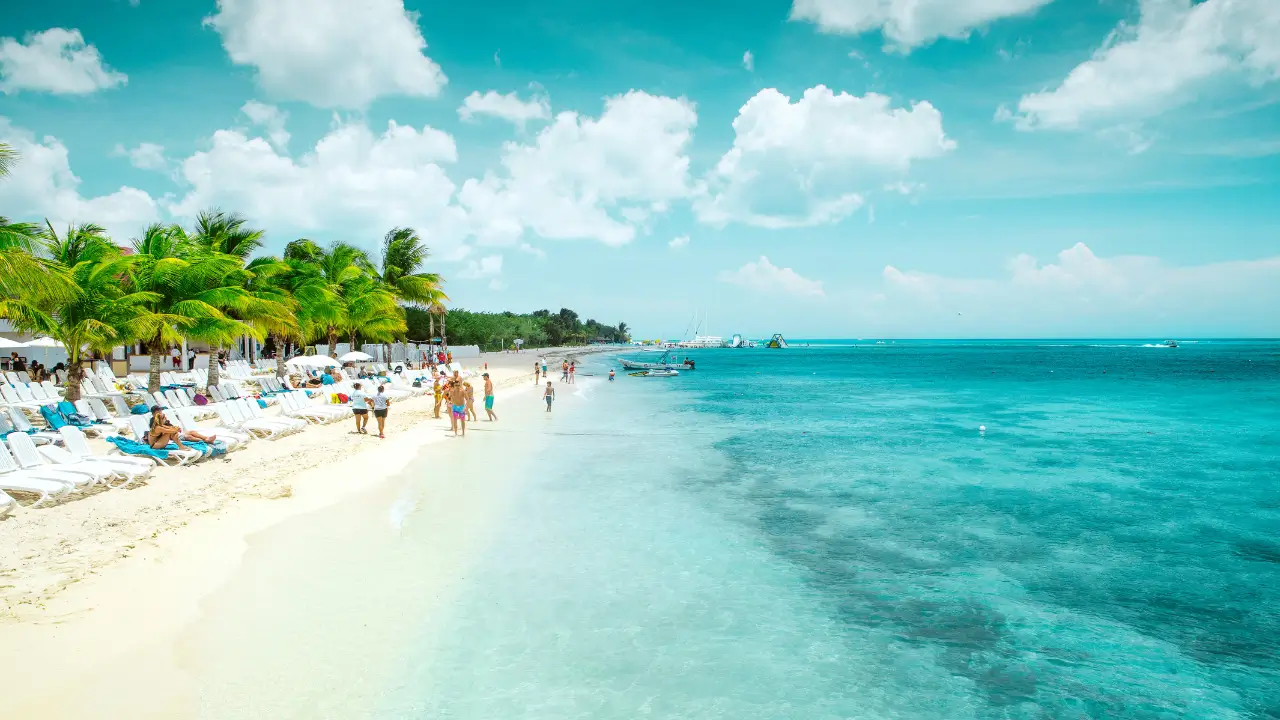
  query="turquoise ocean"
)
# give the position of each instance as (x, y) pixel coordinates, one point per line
(823, 532)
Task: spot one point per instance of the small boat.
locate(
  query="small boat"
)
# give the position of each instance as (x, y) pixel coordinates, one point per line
(664, 363)
(655, 373)
(1170, 344)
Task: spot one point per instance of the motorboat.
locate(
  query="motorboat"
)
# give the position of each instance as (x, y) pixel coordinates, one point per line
(664, 363)
(1170, 344)
(655, 373)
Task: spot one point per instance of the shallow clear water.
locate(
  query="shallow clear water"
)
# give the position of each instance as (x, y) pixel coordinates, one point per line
(823, 532)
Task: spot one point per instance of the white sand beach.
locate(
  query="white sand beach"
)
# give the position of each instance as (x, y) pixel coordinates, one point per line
(97, 590)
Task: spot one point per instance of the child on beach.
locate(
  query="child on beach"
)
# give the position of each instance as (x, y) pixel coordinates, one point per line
(470, 394)
(488, 398)
(535, 372)
(549, 395)
(573, 369)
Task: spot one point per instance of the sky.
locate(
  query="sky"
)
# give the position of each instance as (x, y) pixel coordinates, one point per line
(818, 168)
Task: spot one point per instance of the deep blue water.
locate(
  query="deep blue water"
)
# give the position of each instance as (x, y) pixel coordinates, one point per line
(823, 532)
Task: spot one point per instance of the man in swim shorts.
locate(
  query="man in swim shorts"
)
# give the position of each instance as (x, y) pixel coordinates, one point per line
(488, 398)
(458, 407)
(549, 395)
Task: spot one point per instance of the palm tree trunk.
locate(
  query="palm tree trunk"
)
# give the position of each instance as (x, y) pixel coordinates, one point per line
(333, 342)
(214, 366)
(153, 377)
(75, 375)
(280, 349)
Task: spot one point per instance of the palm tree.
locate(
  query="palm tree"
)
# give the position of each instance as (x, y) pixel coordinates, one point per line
(226, 233)
(313, 303)
(23, 273)
(100, 315)
(191, 291)
(8, 156)
(403, 254)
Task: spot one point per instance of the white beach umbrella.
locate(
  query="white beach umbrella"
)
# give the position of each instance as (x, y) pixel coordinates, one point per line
(356, 356)
(313, 361)
(6, 343)
(44, 343)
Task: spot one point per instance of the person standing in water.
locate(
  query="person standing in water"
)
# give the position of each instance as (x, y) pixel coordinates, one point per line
(549, 395)
(380, 405)
(610, 374)
(360, 408)
(488, 398)
(458, 407)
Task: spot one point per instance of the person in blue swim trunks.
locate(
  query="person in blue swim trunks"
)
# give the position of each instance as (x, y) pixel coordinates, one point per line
(549, 395)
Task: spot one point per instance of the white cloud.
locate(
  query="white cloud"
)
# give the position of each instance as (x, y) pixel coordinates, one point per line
(678, 242)
(270, 118)
(809, 162)
(588, 178)
(1081, 294)
(768, 279)
(42, 185)
(351, 181)
(907, 24)
(146, 156)
(1176, 50)
(534, 251)
(904, 187)
(56, 61)
(485, 267)
(330, 53)
(509, 107)
(748, 61)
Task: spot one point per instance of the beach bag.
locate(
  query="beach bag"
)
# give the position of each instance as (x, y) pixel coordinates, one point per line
(139, 409)
(200, 399)
(344, 398)
(262, 403)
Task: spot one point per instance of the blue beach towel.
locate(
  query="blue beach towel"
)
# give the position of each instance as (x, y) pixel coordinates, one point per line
(139, 409)
(53, 417)
(133, 447)
(262, 403)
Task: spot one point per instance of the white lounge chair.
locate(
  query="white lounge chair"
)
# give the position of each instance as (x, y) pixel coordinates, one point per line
(23, 425)
(131, 467)
(251, 411)
(15, 479)
(30, 459)
(94, 408)
(235, 439)
(6, 504)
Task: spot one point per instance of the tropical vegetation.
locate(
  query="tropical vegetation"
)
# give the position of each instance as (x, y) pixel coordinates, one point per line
(498, 331)
(212, 283)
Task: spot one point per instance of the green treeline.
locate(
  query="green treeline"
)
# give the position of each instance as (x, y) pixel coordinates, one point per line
(496, 331)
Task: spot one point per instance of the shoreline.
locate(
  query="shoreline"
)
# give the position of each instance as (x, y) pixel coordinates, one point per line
(132, 567)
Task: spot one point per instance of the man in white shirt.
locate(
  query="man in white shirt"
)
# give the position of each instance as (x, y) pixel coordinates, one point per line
(360, 408)
(191, 359)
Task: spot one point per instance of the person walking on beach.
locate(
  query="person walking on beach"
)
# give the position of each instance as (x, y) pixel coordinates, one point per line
(380, 405)
(564, 371)
(549, 395)
(458, 407)
(470, 394)
(360, 408)
(544, 367)
(191, 359)
(535, 372)
(488, 398)
(573, 370)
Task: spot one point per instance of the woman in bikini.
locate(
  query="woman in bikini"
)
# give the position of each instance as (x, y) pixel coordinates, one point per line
(162, 432)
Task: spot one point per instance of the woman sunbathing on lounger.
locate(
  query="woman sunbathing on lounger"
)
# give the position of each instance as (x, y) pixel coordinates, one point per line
(162, 432)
